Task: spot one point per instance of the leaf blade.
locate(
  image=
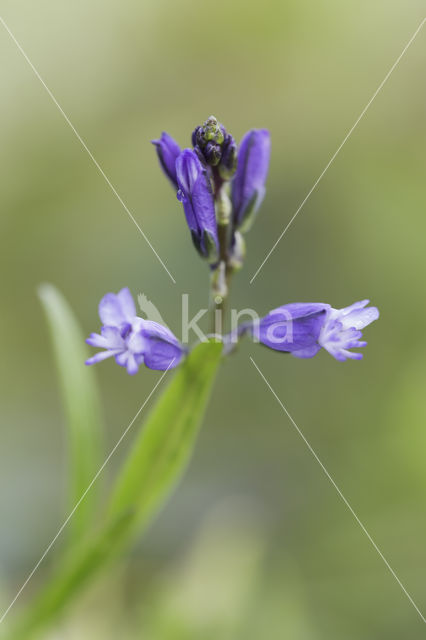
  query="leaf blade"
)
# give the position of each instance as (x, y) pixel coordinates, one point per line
(130, 508)
(163, 447)
(82, 406)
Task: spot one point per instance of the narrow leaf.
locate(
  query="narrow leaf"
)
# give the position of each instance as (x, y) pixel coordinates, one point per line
(81, 405)
(164, 445)
(154, 466)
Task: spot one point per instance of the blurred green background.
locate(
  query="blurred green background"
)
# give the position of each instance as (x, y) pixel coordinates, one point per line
(255, 543)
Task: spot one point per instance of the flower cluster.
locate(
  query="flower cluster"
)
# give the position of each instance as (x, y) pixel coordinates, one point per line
(221, 187)
(199, 176)
(132, 340)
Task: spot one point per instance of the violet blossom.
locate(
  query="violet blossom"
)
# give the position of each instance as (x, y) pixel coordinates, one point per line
(132, 340)
(302, 329)
(167, 150)
(196, 195)
(248, 185)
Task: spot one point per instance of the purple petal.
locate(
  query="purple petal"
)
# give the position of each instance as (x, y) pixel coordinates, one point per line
(302, 309)
(113, 338)
(203, 205)
(110, 338)
(96, 340)
(121, 358)
(248, 186)
(98, 357)
(110, 311)
(353, 355)
(354, 307)
(151, 329)
(188, 169)
(163, 355)
(292, 327)
(167, 151)
(163, 349)
(137, 342)
(117, 310)
(127, 304)
(341, 330)
(360, 318)
(132, 365)
(196, 196)
(307, 352)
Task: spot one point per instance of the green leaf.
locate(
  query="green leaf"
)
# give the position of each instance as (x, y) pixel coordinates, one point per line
(163, 447)
(154, 466)
(82, 406)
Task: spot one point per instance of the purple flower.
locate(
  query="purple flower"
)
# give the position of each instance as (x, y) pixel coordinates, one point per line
(162, 349)
(303, 328)
(195, 193)
(248, 186)
(167, 151)
(293, 328)
(341, 330)
(132, 340)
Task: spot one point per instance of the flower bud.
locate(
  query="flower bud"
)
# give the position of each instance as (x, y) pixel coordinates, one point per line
(213, 131)
(228, 163)
(195, 193)
(248, 186)
(208, 139)
(167, 151)
(212, 154)
(194, 135)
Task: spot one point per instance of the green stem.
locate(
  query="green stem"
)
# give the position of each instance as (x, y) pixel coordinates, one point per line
(221, 276)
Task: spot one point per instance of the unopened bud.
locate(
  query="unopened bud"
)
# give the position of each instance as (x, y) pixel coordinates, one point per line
(228, 163)
(212, 154)
(213, 131)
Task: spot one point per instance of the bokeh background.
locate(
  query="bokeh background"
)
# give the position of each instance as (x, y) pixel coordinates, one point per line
(255, 543)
